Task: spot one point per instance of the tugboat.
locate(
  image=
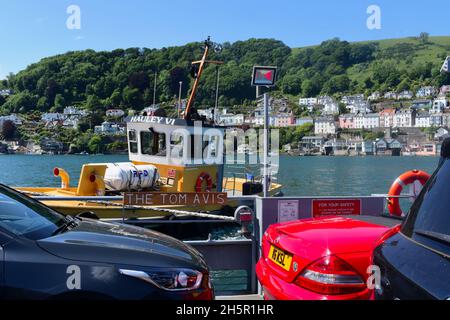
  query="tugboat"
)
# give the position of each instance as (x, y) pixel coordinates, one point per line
(169, 155)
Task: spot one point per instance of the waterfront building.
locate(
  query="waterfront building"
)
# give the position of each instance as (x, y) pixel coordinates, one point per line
(427, 91)
(436, 119)
(347, 121)
(446, 120)
(367, 121)
(368, 147)
(324, 126)
(404, 118)
(387, 118)
(230, 119)
(423, 120)
(441, 134)
(313, 142)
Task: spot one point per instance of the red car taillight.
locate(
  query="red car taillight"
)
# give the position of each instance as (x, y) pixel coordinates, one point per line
(332, 276)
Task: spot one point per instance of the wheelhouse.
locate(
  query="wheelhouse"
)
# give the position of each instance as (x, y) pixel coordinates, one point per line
(181, 150)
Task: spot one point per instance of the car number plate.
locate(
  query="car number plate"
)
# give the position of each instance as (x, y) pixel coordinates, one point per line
(280, 258)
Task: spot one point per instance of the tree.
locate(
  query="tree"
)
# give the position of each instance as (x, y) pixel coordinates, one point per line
(59, 102)
(95, 144)
(8, 129)
(424, 37)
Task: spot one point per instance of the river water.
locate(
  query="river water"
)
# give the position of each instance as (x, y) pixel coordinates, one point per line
(300, 176)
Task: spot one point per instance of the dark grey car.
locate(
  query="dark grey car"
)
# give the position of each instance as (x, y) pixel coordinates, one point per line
(44, 255)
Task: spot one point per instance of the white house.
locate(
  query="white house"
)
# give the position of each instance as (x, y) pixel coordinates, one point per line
(359, 107)
(390, 95)
(404, 118)
(374, 96)
(428, 91)
(330, 108)
(115, 113)
(352, 99)
(52, 116)
(405, 95)
(423, 120)
(307, 101)
(230, 119)
(71, 123)
(324, 126)
(367, 121)
(6, 92)
(108, 128)
(436, 119)
(13, 117)
(439, 104)
(444, 90)
(74, 111)
(446, 120)
(440, 133)
(324, 100)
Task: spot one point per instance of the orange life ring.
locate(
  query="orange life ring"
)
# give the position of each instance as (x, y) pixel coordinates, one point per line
(199, 184)
(398, 185)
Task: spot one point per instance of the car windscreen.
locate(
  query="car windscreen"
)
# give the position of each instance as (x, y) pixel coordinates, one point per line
(23, 216)
(429, 219)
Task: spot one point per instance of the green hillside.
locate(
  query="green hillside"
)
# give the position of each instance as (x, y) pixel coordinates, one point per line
(123, 78)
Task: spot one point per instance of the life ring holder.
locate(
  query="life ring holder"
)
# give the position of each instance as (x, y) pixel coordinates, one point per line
(199, 183)
(401, 182)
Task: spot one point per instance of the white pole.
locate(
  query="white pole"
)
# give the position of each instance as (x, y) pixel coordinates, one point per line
(154, 90)
(179, 99)
(266, 145)
(217, 95)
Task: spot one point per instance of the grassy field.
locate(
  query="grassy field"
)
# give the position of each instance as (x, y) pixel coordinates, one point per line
(403, 51)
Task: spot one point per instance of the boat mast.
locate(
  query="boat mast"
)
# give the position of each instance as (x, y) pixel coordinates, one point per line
(201, 64)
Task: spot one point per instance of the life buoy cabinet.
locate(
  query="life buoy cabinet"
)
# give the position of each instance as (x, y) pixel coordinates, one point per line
(199, 184)
(401, 182)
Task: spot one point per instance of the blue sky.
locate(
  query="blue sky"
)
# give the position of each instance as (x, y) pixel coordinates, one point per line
(31, 30)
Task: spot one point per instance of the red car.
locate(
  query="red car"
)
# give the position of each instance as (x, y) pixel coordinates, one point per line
(320, 258)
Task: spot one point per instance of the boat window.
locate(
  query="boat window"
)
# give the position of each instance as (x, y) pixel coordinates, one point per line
(153, 143)
(132, 141)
